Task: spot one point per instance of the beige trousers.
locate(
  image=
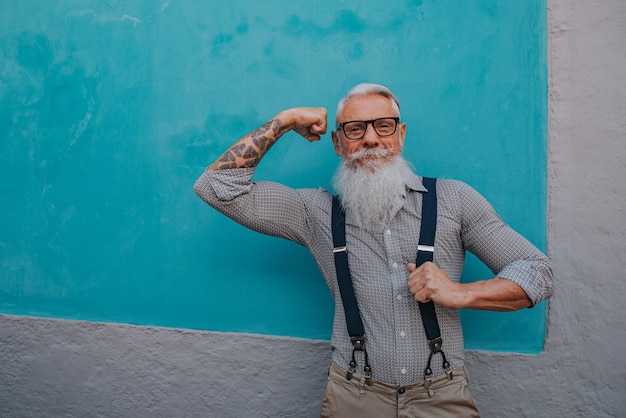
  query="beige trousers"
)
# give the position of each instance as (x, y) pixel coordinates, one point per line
(354, 398)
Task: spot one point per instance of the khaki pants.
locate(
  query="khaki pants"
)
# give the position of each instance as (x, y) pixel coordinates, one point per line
(354, 398)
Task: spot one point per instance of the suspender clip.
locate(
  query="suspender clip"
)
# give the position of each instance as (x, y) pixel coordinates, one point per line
(368, 375)
(435, 348)
(446, 368)
(351, 370)
(359, 345)
(428, 377)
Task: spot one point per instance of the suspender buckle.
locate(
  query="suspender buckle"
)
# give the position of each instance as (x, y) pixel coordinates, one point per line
(427, 248)
(435, 345)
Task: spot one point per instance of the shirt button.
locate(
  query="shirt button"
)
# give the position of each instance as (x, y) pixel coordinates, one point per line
(388, 232)
(395, 265)
(403, 371)
(399, 297)
(401, 390)
(403, 334)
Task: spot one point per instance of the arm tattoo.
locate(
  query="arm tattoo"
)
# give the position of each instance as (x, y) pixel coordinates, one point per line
(248, 151)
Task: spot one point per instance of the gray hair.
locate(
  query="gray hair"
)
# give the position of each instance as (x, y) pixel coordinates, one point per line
(364, 89)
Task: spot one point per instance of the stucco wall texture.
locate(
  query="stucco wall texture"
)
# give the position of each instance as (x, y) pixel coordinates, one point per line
(52, 367)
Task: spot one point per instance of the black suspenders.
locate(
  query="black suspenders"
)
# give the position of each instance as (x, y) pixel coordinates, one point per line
(348, 298)
(425, 250)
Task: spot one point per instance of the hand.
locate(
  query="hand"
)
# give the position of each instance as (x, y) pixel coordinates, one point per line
(309, 122)
(428, 282)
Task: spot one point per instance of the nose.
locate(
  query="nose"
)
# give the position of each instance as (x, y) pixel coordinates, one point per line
(370, 139)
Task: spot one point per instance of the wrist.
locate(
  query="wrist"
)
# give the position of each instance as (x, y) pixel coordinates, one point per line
(467, 296)
(286, 120)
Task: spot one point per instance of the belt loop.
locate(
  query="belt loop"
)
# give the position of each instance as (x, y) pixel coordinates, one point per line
(362, 386)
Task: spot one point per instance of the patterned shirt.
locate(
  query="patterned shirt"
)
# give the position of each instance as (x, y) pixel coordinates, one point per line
(378, 256)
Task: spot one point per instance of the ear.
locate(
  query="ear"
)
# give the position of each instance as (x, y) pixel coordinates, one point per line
(336, 143)
(402, 133)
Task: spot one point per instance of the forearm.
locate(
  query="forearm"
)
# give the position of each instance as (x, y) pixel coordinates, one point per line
(249, 150)
(310, 123)
(496, 294)
(428, 282)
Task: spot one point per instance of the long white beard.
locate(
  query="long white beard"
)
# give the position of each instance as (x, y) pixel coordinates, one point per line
(368, 193)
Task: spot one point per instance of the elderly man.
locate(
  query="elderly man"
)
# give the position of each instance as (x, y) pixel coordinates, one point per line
(389, 370)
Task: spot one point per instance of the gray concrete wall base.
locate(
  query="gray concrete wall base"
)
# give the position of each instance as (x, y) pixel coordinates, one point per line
(53, 368)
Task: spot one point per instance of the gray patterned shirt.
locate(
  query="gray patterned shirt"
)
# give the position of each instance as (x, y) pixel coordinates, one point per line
(396, 342)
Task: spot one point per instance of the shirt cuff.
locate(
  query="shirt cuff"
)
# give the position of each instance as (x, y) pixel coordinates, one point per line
(528, 276)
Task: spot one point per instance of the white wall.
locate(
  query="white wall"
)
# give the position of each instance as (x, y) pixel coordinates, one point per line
(53, 367)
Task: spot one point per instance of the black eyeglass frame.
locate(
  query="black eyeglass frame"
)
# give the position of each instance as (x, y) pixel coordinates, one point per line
(367, 122)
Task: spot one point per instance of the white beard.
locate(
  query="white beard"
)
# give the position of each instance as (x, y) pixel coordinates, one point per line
(369, 192)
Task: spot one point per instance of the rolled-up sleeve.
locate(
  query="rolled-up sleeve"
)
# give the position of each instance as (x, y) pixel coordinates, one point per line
(535, 277)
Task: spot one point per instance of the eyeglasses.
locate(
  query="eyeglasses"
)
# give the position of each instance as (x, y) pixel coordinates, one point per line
(356, 129)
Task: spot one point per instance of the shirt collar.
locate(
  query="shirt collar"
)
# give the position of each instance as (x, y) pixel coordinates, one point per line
(415, 183)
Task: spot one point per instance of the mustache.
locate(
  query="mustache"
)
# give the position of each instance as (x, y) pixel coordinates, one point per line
(365, 153)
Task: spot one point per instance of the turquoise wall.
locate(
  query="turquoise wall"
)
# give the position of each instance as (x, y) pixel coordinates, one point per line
(110, 110)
